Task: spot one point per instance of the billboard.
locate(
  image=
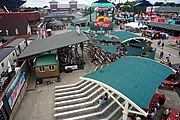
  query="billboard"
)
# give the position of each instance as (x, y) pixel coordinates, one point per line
(101, 25)
(15, 88)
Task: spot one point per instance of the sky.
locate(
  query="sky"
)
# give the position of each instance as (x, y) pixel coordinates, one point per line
(41, 3)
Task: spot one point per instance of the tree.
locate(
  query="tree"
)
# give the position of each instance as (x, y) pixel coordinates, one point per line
(172, 4)
(159, 4)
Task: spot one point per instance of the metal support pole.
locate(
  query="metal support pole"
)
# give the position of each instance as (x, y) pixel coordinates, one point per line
(90, 15)
(113, 97)
(125, 111)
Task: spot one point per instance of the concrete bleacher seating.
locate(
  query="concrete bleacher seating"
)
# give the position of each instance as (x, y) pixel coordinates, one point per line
(80, 101)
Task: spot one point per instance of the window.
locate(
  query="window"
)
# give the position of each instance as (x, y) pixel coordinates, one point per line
(2, 64)
(41, 69)
(51, 68)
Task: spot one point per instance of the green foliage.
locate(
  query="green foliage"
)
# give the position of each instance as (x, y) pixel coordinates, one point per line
(159, 4)
(172, 4)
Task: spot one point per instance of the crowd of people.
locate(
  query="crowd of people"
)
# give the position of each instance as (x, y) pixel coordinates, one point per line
(156, 105)
(70, 55)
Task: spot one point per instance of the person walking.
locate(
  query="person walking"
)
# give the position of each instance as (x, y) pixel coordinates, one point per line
(161, 55)
(162, 45)
(159, 43)
(168, 57)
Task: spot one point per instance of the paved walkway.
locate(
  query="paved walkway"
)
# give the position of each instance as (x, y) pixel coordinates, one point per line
(31, 85)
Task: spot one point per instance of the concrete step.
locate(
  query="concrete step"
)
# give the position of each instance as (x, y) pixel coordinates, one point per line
(71, 85)
(79, 105)
(69, 97)
(72, 88)
(117, 115)
(78, 112)
(75, 91)
(91, 115)
(79, 99)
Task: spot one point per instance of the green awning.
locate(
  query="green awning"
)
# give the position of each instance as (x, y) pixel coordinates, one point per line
(49, 59)
(74, 28)
(124, 35)
(110, 49)
(135, 77)
(105, 38)
(151, 55)
(133, 51)
(140, 44)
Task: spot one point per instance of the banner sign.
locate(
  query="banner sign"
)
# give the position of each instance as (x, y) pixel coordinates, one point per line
(102, 24)
(15, 88)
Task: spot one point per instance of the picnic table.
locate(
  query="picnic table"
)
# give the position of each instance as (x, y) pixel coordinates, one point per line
(167, 82)
(174, 115)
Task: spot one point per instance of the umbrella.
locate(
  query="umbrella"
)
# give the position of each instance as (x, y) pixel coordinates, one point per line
(125, 6)
(143, 3)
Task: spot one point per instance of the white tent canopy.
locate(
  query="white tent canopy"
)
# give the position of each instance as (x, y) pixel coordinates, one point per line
(135, 25)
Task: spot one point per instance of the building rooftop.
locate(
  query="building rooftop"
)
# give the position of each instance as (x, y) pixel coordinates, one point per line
(52, 43)
(15, 42)
(167, 9)
(59, 14)
(164, 26)
(53, 1)
(49, 59)
(4, 52)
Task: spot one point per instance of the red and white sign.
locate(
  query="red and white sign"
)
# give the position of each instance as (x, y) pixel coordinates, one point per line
(102, 24)
(73, 67)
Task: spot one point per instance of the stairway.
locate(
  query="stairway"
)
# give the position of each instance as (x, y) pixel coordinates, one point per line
(80, 102)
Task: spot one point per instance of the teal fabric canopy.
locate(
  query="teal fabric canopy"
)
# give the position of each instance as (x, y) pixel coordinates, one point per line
(135, 77)
(124, 35)
(140, 44)
(110, 49)
(105, 38)
(132, 51)
(151, 55)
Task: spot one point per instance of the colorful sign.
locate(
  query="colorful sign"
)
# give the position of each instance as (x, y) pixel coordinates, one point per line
(102, 24)
(15, 88)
